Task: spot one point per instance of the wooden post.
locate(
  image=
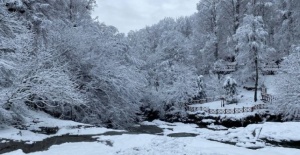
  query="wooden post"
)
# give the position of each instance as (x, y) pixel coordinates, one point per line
(72, 113)
(222, 101)
(271, 98)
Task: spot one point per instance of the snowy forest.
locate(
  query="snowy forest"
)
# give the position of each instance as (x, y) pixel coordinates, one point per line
(55, 58)
(225, 77)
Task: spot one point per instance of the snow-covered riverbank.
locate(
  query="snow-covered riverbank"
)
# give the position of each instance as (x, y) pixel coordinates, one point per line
(156, 145)
(186, 139)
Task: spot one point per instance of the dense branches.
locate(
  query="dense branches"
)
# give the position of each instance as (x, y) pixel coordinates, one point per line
(55, 58)
(288, 87)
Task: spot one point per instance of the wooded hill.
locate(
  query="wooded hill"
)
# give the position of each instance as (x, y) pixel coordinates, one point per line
(55, 58)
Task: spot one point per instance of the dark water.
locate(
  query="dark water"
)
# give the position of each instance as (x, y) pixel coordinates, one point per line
(145, 129)
(45, 144)
(57, 140)
(182, 134)
(286, 144)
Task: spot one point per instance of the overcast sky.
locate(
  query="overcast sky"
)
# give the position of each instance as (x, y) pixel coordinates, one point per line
(129, 15)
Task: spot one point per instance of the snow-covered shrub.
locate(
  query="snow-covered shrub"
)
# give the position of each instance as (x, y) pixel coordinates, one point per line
(230, 90)
(201, 87)
(10, 118)
(175, 113)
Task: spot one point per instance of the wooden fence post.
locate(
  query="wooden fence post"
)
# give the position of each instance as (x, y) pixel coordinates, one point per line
(271, 99)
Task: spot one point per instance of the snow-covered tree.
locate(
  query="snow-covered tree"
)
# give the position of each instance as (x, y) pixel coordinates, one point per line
(287, 87)
(231, 15)
(167, 61)
(208, 13)
(251, 42)
(108, 76)
(45, 84)
(230, 87)
(15, 47)
(288, 19)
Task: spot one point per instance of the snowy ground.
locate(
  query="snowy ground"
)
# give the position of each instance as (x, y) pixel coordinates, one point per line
(245, 99)
(146, 144)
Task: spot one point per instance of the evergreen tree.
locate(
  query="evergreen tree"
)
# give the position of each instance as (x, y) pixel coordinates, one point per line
(251, 42)
(230, 90)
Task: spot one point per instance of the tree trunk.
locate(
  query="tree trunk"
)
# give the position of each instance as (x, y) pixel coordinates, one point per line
(216, 51)
(256, 78)
(71, 11)
(236, 21)
(255, 50)
(215, 30)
